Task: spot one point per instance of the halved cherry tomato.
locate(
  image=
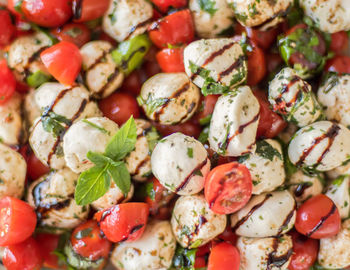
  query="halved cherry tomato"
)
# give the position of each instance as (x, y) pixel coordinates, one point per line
(48, 244)
(256, 65)
(318, 218)
(200, 262)
(305, 252)
(224, 257)
(123, 222)
(188, 128)
(87, 10)
(206, 108)
(23, 256)
(17, 221)
(119, 107)
(76, 33)
(47, 13)
(274, 62)
(7, 82)
(228, 187)
(86, 241)
(35, 168)
(339, 64)
(7, 29)
(171, 59)
(63, 61)
(132, 83)
(340, 42)
(175, 29)
(165, 5)
(228, 235)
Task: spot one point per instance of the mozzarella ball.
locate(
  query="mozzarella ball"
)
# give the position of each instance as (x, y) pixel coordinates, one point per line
(292, 98)
(180, 163)
(91, 134)
(210, 23)
(11, 129)
(266, 166)
(329, 15)
(24, 52)
(265, 253)
(222, 58)
(127, 18)
(169, 98)
(343, 169)
(52, 196)
(234, 123)
(138, 162)
(322, 146)
(255, 13)
(303, 186)
(339, 192)
(101, 74)
(13, 169)
(154, 250)
(194, 223)
(266, 215)
(31, 110)
(334, 252)
(334, 95)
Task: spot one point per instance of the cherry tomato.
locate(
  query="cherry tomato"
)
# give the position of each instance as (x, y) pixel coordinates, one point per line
(206, 108)
(35, 168)
(228, 235)
(47, 245)
(318, 218)
(23, 256)
(132, 84)
(274, 62)
(17, 221)
(200, 262)
(86, 241)
(165, 5)
(256, 65)
(171, 60)
(228, 187)
(339, 64)
(123, 222)
(119, 107)
(76, 33)
(188, 128)
(224, 257)
(56, 59)
(7, 82)
(7, 29)
(175, 29)
(340, 42)
(305, 252)
(151, 68)
(87, 10)
(47, 13)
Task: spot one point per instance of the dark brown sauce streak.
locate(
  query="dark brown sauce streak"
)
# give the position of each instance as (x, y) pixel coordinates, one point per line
(141, 164)
(202, 221)
(125, 62)
(98, 60)
(32, 59)
(77, 9)
(189, 110)
(109, 81)
(133, 230)
(227, 71)
(287, 220)
(277, 261)
(300, 189)
(323, 219)
(134, 28)
(187, 179)
(331, 133)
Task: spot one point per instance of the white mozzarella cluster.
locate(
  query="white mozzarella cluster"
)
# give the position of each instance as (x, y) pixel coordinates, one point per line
(339, 192)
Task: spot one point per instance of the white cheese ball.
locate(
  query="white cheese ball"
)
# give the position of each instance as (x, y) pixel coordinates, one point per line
(265, 253)
(24, 54)
(334, 95)
(322, 146)
(339, 192)
(329, 15)
(234, 123)
(266, 215)
(31, 110)
(11, 129)
(292, 97)
(91, 134)
(255, 13)
(343, 169)
(13, 169)
(153, 251)
(194, 223)
(101, 74)
(222, 58)
(213, 23)
(303, 186)
(180, 163)
(334, 252)
(266, 166)
(169, 98)
(127, 18)
(52, 196)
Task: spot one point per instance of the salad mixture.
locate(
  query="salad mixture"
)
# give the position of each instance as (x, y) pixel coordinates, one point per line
(174, 134)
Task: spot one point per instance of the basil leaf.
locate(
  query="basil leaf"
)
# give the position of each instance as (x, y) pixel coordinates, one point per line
(38, 78)
(150, 192)
(53, 122)
(151, 104)
(121, 177)
(203, 136)
(103, 130)
(123, 142)
(101, 160)
(184, 258)
(265, 150)
(208, 6)
(152, 137)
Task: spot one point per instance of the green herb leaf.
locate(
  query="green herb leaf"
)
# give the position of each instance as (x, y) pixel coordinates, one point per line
(190, 152)
(103, 130)
(121, 177)
(150, 191)
(101, 160)
(205, 120)
(184, 258)
(53, 122)
(266, 150)
(38, 78)
(152, 137)
(208, 6)
(83, 233)
(151, 104)
(203, 136)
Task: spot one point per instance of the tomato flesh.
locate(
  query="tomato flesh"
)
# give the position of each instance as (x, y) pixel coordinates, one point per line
(340, 42)
(7, 29)
(87, 10)
(339, 64)
(171, 59)
(76, 33)
(7, 82)
(47, 245)
(35, 168)
(188, 128)
(256, 65)
(165, 5)
(206, 108)
(224, 256)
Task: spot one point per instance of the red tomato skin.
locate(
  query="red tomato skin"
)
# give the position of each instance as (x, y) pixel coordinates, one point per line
(7, 82)
(119, 107)
(188, 128)
(199, 262)
(339, 43)
(339, 64)
(167, 31)
(76, 33)
(123, 222)
(312, 212)
(229, 236)
(305, 252)
(164, 5)
(56, 59)
(224, 257)
(7, 29)
(256, 65)
(47, 13)
(35, 168)
(206, 107)
(47, 245)
(87, 10)
(228, 188)
(23, 256)
(17, 221)
(171, 60)
(132, 84)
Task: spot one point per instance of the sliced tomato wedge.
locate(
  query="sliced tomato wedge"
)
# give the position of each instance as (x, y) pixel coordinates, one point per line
(48, 244)
(171, 59)
(7, 82)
